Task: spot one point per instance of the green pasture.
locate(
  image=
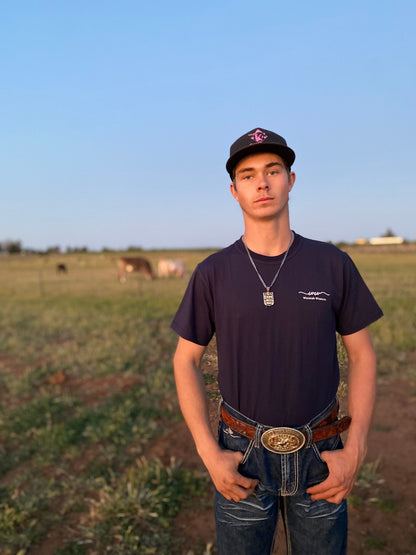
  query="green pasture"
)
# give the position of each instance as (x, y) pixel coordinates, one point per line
(86, 389)
(392, 279)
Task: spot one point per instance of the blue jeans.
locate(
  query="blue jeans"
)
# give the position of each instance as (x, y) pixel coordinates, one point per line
(248, 527)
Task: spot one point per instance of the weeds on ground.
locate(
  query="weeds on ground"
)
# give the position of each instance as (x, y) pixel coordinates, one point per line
(374, 542)
(67, 442)
(138, 508)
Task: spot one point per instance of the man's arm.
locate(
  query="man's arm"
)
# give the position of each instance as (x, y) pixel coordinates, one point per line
(344, 464)
(222, 465)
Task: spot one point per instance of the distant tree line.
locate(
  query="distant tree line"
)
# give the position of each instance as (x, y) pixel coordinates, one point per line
(11, 246)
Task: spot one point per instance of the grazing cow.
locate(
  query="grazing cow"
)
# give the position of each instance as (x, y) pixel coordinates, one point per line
(127, 265)
(61, 269)
(175, 268)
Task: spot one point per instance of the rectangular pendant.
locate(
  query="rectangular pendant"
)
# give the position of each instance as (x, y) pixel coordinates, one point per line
(268, 298)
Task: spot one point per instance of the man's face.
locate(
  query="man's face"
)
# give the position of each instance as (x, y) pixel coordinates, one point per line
(261, 185)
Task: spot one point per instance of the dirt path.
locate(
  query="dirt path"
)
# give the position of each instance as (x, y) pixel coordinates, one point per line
(385, 521)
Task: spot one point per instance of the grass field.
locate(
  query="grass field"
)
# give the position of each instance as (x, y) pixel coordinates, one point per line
(86, 388)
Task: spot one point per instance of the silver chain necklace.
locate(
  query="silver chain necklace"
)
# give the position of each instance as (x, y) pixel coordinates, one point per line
(268, 296)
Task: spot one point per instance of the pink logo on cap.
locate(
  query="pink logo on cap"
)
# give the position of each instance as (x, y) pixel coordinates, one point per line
(258, 136)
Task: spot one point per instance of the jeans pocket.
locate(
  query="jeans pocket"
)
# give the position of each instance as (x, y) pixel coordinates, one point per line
(232, 440)
(330, 444)
(247, 452)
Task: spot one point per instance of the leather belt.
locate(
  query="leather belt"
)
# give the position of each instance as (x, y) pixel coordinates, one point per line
(288, 440)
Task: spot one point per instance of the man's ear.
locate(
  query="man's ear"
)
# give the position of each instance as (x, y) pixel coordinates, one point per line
(292, 179)
(233, 190)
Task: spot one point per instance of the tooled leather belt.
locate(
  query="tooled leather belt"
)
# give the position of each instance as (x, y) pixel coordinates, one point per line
(286, 440)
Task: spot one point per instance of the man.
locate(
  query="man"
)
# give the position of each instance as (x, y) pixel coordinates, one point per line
(275, 301)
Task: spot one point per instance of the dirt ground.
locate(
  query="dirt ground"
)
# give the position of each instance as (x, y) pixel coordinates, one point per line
(382, 509)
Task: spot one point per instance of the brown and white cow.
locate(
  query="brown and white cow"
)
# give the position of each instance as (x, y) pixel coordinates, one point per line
(171, 268)
(128, 264)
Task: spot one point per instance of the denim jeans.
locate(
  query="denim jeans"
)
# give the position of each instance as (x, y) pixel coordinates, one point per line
(248, 527)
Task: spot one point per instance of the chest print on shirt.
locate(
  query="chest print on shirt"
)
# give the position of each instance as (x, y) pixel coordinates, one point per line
(314, 295)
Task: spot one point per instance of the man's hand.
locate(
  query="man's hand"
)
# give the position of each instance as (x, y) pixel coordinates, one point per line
(343, 470)
(223, 469)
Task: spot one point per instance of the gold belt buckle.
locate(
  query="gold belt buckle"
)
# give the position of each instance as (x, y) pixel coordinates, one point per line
(283, 440)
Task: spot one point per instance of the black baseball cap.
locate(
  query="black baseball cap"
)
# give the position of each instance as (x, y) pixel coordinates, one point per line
(258, 140)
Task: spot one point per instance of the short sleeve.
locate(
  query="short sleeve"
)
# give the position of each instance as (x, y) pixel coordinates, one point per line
(194, 319)
(358, 309)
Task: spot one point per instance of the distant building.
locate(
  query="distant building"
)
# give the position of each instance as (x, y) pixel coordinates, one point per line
(386, 241)
(380, 241)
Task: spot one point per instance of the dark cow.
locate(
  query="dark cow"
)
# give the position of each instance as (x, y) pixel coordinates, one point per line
(127, 265)
(61, 269)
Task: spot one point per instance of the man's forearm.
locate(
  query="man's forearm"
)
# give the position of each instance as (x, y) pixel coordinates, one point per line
(222, 465)
(361, 396)
(193, 403)
(344, 464)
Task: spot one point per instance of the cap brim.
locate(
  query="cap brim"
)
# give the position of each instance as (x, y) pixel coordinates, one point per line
(284, 152)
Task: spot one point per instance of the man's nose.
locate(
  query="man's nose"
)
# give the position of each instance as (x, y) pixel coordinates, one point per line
(262, 182)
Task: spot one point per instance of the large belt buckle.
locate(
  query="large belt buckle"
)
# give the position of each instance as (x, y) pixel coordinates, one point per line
(283, 440)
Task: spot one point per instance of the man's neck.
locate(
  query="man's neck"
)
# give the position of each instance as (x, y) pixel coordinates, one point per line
(268, 240)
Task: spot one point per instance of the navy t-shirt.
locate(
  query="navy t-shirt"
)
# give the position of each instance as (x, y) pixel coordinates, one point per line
(277, 365)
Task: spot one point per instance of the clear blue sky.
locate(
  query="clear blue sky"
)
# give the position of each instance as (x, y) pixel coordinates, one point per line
(117, 117)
